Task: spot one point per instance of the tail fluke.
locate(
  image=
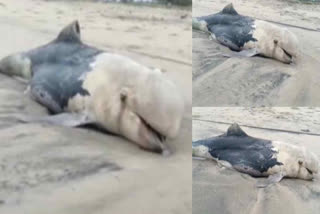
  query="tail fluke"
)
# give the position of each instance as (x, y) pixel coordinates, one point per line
(200, 150)
(199, 25)
(16, 65)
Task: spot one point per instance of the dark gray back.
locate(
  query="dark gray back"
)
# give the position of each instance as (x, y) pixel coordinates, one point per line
(241, 149)
(231, 26)
(57, 68)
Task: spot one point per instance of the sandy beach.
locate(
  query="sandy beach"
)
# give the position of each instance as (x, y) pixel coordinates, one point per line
(257, 81)
(49, 169)
(222, 190)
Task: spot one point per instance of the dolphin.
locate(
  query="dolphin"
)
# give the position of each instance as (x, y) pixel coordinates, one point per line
(247, 36)
(258, 157)
(80, 84)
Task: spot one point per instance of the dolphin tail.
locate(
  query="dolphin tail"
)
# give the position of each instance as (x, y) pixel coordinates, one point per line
(16, 65)
(200, 150)
(199, 25)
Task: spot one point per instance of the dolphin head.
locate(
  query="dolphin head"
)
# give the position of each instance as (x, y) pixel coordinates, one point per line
(297, 161)
(285, 45)
(132, 100)
(308, 165)
(152, 111)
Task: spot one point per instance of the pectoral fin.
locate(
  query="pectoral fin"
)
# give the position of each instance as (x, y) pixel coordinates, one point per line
(244, 53)
(247, 169)
(272, 179)
(198, 158)
(249, 52)
(63, 119)
(227, 42)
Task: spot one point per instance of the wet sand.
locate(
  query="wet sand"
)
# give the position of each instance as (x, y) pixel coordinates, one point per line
(223, 190)
(48, 169)
(258, 81)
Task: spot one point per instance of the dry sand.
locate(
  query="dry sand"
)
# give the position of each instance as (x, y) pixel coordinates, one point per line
(46, 169)
(221, 190)
(257, 81)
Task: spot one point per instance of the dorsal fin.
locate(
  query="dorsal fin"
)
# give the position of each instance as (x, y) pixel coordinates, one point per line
(70, 33)
(235, 130)
(229, 10)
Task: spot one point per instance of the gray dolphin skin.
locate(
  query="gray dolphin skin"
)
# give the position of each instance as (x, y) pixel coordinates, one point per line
(55, 69)
(80, 84)
(247, 36)
(229, 28)
(258, 157)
